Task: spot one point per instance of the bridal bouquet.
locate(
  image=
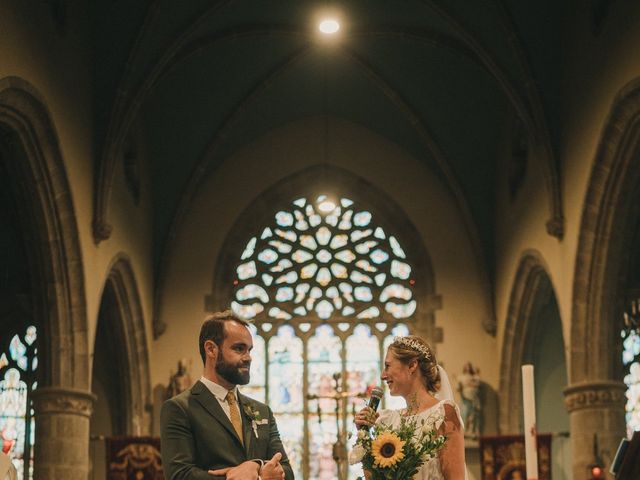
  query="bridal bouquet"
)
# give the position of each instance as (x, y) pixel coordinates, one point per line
(397, 453)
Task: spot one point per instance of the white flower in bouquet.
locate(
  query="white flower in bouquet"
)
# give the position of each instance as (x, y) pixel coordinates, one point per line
(397, 453)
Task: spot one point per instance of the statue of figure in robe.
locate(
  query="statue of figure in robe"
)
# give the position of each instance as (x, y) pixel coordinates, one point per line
(471, 406)
(179, 381)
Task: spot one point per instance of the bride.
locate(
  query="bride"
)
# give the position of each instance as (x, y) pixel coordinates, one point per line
(411, 371)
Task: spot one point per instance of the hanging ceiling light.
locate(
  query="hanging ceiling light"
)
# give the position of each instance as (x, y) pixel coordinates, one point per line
(329, 26)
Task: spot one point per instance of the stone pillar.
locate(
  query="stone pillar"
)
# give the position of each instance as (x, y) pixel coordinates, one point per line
(596, 408)
(62, 433)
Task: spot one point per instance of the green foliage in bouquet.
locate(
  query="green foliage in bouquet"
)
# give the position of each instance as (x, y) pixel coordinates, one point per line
(398, 453)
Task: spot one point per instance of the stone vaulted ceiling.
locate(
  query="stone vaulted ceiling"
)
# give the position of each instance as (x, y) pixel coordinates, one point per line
(445, 80)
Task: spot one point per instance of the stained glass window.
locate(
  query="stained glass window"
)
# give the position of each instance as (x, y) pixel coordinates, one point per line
(631, 363)
(324, 369)
(363, 358)
(336, 365)
(17, 380)
(285, 363)
(326, 288)
(258, 369)
(323, 259)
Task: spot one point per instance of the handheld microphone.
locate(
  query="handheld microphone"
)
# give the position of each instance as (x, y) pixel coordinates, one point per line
(374, 402)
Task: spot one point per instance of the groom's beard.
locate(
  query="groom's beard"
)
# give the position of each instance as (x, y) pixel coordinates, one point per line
(231, 372)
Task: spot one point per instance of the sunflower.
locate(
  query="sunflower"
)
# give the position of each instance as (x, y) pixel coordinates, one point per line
(387, 449)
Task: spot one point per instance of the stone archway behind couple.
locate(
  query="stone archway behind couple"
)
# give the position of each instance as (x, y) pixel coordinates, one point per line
(328, 279)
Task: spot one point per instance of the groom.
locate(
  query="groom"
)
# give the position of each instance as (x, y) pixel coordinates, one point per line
(212, 431)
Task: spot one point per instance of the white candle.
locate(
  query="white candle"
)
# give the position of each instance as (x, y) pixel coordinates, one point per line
(530, 432)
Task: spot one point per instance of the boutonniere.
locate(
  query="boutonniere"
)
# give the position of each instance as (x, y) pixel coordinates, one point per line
(255, 417)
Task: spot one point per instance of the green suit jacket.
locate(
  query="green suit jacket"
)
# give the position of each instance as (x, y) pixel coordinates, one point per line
(196, 436)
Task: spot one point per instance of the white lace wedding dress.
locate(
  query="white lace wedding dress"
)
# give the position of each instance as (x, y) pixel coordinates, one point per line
(433, 418)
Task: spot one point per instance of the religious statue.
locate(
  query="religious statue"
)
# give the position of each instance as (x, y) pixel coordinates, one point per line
(179, 381)
(471, 406)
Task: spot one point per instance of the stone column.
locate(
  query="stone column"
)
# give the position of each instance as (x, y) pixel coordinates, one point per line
(62, 433)
(596, 408)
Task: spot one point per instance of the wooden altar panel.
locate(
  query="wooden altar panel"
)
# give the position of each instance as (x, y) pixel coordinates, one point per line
(502, 457)
(134, 458)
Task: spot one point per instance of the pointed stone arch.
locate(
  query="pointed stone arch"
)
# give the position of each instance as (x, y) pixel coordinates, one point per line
(316, 180)
(28, 138)
(338, 184)
(128, 329)
(610, 210)
(50, 223)
(531, 290)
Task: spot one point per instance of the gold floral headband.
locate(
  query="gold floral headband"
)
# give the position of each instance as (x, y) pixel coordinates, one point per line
(413, 344)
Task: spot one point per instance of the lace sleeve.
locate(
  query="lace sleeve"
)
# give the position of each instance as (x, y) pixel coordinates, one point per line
(452, 454)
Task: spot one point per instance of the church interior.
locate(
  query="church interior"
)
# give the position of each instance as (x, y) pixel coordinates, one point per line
(338, 173)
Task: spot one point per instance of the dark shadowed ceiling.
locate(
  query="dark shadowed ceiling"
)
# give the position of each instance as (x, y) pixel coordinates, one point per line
(445, 80)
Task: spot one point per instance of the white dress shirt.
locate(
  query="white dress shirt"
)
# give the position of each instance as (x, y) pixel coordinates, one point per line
(221, 394)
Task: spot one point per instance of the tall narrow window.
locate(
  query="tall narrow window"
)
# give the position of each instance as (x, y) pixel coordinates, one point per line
(326, 287)
(631, 362)
(17, 380)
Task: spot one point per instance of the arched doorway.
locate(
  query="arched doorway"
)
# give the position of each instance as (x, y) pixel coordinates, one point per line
(534, 335)
(595, 397)
(330, 269)
(19, 329)
(629, 348)
(32, 160)
(120, 375)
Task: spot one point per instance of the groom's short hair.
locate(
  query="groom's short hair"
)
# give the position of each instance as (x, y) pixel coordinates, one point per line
(213, 328)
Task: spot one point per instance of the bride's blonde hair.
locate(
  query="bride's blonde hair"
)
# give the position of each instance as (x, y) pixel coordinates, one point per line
(410, 348)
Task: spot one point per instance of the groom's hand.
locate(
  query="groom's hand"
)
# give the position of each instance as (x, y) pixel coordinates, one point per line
(244, 471)
(272, 470)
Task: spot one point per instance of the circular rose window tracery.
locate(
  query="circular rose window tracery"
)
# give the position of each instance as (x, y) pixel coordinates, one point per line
(323, 259)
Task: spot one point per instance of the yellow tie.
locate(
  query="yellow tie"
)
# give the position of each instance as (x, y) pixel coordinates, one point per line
(235, 414)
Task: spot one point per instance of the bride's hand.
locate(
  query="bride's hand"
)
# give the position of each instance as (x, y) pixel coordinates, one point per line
(366, 417)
